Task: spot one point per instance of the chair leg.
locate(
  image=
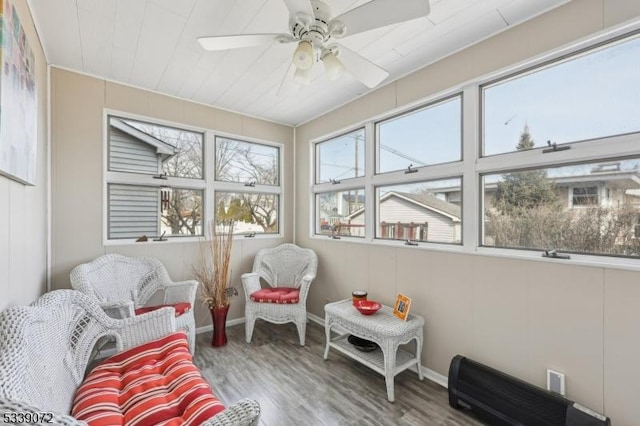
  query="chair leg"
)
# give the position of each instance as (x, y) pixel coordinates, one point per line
(192, 341)
(248, 328)
(302, 330)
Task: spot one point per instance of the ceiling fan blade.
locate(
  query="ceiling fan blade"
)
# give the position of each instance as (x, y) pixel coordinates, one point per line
(361, 68)
(299, 6)
(226, 42)
(380, 13)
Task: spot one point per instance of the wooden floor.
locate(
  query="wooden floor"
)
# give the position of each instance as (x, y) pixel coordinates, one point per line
(296, 387)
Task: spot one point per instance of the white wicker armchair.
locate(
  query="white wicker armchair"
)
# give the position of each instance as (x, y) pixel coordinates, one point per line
(123, 284)
(284, 266)
(45, 349)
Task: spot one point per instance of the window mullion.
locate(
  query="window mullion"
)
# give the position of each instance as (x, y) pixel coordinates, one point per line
(369, 190)
(471, 206)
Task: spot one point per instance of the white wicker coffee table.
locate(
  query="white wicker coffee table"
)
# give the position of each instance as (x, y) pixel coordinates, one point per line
(383, 328)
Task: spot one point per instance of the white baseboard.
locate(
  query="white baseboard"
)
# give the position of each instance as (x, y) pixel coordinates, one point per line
(208, 328)
(430, 374)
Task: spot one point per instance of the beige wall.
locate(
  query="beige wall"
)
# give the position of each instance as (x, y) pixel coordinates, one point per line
(23, 208)
(519, 316)
(78, 104)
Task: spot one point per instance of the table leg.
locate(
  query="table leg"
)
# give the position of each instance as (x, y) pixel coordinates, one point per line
(418, 356)
(327, 331)
(389, 354)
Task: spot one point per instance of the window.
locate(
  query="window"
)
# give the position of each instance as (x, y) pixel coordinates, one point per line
(408, 200)
(341, 213)
(585, 196)
(155, 180)
(587, 96)
(247, 162)
(340, 158)
(161, 182)
(248, 187)
(423, 211)
(530, 209)
(430, 135)
(551, 161)
(568, 201)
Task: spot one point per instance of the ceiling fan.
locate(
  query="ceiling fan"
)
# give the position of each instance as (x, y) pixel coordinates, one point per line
(313, 27)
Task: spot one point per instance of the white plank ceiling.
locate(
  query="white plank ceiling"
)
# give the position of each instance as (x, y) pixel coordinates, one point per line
(152, 44)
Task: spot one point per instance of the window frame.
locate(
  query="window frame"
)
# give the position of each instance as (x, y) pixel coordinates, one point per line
(585, 196)
(474, 165)
(373, 179)
(240, 187)
(207, 184)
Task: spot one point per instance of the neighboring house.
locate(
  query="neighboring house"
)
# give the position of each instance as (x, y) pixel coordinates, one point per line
(405, 216)
(133, 210)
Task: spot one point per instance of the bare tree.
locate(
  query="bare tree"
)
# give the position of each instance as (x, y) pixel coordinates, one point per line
(181, 209)
(242, 162)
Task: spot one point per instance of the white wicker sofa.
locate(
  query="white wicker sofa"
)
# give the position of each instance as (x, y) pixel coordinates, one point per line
(45, 349)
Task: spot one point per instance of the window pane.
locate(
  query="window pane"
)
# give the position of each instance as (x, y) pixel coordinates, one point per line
(341, 158)
(181, 211)
(252, 212)
(588, 208)
(423, 211)
(590, 96)
(245, 162)
(431, 135)
(138, 147)
(341, 213)
(136, 210)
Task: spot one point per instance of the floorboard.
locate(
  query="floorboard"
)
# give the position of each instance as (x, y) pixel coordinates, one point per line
(296, 386)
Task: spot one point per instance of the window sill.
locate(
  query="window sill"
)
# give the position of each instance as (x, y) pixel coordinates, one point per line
(576, 259)
(180, 240)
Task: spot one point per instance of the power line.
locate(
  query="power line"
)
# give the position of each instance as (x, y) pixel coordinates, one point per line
(403, 155)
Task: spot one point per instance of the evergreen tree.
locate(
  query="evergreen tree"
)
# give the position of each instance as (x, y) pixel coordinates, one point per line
(522, 191)
(525, 141)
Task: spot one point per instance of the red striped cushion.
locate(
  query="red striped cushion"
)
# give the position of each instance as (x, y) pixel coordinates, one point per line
(276, 295)
(180, 308)
(152, 384)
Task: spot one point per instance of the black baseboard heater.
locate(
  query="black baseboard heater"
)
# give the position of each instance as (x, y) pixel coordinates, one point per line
(503, 400)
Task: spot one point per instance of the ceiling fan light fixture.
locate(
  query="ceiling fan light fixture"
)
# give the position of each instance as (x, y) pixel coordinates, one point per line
(332, 66)
(302, 76)
(303, 56)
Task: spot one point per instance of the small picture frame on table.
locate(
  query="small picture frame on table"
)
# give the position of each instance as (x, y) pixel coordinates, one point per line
(401, 307)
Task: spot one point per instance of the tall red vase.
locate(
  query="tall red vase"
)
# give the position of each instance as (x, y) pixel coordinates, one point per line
(219, 318)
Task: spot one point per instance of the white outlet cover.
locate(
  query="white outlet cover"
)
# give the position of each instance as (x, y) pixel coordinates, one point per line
(555, 382)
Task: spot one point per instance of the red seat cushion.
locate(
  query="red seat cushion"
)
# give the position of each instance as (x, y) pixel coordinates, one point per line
(180, 308)
(276, 295)
(155, 383)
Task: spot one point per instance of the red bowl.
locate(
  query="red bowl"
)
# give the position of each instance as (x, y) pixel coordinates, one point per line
(367, 307)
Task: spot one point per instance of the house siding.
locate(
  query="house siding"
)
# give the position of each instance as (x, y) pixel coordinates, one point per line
(133, 211)
(440, 228)
(128, 154)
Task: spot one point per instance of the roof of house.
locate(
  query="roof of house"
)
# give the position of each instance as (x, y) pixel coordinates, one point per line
(426, 201)
(430, 202)
(162, 147)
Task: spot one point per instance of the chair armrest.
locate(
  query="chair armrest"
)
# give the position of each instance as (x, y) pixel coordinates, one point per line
(183, 291)
(305, 284)
(42, 417)
(143, 328)
(250, 283)
(245, 412)
(119, 310)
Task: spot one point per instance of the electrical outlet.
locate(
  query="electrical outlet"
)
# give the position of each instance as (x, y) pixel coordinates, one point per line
(555, 382)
